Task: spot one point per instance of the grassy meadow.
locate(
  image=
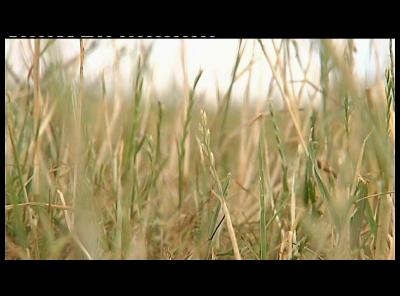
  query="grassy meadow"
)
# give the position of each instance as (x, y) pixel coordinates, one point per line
(94, 172)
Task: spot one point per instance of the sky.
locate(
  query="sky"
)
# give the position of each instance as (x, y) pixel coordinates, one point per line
(216, 57)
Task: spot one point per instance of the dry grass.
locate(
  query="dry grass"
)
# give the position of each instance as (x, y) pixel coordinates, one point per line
(95, 173)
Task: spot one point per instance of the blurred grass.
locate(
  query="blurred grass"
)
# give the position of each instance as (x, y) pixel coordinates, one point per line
(94, 172)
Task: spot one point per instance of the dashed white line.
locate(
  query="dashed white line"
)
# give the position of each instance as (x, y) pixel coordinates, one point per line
(108, 36)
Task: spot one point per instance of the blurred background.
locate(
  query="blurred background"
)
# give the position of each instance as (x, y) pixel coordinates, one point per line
(168, 59)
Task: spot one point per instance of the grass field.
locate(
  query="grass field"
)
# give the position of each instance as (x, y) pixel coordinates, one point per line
(93, 172)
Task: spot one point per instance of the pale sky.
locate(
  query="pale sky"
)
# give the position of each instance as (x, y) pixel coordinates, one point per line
(215, 56)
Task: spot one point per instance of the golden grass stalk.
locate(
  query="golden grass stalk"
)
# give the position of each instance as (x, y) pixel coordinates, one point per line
(286, 99)
(229, 225)
(70, 226)
(37, 115)
(41, 204)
